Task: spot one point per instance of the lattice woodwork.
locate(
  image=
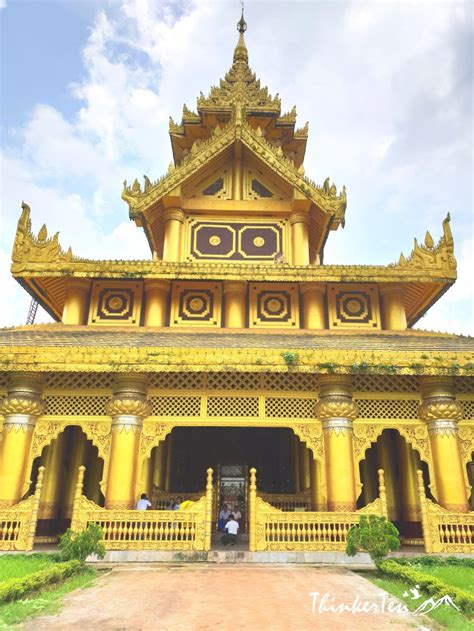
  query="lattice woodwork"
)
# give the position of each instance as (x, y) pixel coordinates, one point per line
(78, 381)
(176, 406)
(277, 407)
(232, 406)
(464, 385)
(233, 381)
(68, 405)
(388, 408)
(386, 383)
(3, 380)
(176, 381)
(468, 409)
(293, 383)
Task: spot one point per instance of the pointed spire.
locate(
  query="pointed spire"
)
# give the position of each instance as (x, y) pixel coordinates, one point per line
(241, 52)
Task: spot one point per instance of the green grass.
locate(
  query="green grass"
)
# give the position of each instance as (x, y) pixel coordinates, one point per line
(459, 576)
(445, 617)
(45, 602)
(19, 565)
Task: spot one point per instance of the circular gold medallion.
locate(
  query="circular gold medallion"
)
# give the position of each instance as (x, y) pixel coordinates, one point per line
(258, 242)
(273, 305)
(196, 304)
(353, 306)
(215, 240)
(116, 302)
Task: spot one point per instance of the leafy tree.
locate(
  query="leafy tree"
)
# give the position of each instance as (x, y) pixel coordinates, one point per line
(375, 535)
(79, 545)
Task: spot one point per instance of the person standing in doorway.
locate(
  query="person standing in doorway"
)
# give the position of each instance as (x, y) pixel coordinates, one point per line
(223, 517)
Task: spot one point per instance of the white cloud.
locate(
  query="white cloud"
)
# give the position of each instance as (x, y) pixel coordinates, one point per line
(385, 85)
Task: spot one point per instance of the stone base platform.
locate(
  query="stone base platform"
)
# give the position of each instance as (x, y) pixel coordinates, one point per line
(232, 556)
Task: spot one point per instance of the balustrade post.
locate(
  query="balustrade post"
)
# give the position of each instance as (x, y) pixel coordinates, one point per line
(35, 508)
(383, 493)
(253, 510)
(76, 508)
(209, 493)
(425, 523)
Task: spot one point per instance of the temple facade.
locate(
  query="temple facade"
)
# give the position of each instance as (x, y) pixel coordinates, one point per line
(234, 347)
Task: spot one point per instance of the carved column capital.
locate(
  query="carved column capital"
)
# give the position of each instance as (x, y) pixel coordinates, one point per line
(129, 404)
(157, 284)
(174, 213)
(23, 402)
(438, 400)
(298, 217)
(306, 288)
(235, 286)
(335, 400)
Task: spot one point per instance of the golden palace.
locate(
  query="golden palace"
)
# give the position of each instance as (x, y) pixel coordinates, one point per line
(233, 366)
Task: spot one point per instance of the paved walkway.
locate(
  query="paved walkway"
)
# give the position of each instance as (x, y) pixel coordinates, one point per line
(230, 597)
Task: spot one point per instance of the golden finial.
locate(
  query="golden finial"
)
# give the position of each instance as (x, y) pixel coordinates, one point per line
(240, 52)
(242, 24)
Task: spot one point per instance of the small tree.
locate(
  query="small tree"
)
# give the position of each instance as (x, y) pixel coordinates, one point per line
(79, 545)
(375, 535)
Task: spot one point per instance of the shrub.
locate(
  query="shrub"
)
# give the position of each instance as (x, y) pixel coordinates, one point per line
(436, 561)
(290, 358)
(79, 545)
(375, 535)
(434, 586)
(16, 588)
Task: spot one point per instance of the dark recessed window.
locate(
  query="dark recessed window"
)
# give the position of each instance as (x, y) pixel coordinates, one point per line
(261, 191)
(214, 188)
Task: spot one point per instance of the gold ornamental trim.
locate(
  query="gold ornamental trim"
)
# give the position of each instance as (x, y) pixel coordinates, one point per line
(129, 406)
(336, 408)
(23, 405)
(441, 408)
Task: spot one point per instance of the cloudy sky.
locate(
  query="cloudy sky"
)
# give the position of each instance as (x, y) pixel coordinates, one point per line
(88, 86)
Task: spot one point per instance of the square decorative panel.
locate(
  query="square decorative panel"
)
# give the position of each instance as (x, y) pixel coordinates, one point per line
(235, 241)
(353, 306)
(273, 305)
(116, 302)
(196, 304)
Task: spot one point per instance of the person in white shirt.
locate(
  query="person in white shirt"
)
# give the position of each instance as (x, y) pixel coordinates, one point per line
(232, 528)
(143, 503)
(237, 514)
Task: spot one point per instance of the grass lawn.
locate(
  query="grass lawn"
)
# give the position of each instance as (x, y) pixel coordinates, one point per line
(444, 616)
(45, 602)
(457, 575)
(19, 565)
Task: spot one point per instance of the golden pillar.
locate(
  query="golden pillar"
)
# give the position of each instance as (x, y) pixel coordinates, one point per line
(442, 412)
(295, 463)
(21, 407)
(368, 467)
(76, 456)
(94, 472)
(74, 311)
(160, 467)
(387, 461)
(235, 296)
(394, 316)
(54, 479)
(169, 462)
(314, 311)
(174, 222)
(317, 497)
(147, 475)
(304, 454)
(128, 407)
(337, 411)
(299, 238)
(410, 503)
(156, 302)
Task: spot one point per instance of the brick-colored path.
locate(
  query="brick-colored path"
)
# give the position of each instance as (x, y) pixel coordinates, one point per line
(224, 597)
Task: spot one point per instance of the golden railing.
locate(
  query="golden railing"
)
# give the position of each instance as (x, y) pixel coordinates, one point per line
(444, 531)
(288, 501)
(18, 522)
(147, 530)
(274, 529)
